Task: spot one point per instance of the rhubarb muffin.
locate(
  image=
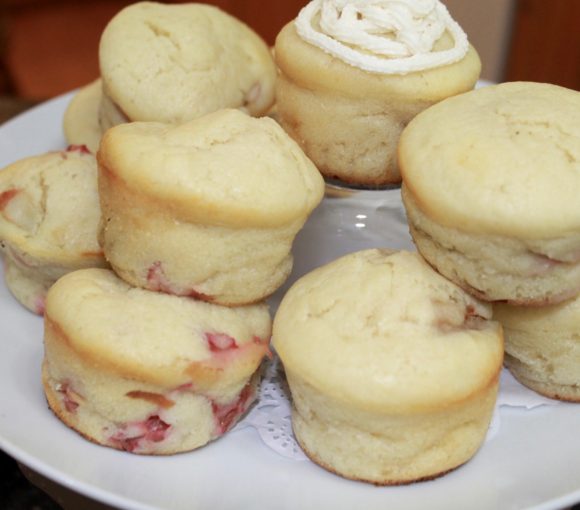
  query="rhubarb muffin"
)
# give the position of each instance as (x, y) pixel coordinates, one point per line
(81, 118)
(146, 372)
(49, 219)
(353, 74)
(393, 369)
(208, 209)
(174, 63)
(542, 347)
(491, 183)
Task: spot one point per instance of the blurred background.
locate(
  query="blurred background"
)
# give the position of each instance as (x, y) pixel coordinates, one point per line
(48, 47)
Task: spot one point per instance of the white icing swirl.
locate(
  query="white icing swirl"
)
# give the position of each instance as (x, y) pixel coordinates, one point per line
(382, 36)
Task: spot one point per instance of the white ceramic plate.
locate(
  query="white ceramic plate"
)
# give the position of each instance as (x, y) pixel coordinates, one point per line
(533, 462)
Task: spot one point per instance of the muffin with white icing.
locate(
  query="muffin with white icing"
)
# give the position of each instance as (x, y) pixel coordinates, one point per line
(146, 372)
(208, 209)
(353, 74)
(49, 218)
(490, 186)
(174, 63)
(393, 369)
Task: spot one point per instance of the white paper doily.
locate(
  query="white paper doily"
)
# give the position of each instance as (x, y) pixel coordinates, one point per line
(271, 416)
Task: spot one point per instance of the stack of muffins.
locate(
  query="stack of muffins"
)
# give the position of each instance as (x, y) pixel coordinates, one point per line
(492, 203)
(393, 358)
(161, 354)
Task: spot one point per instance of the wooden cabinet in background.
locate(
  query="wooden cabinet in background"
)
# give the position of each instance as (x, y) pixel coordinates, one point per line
(546, 43)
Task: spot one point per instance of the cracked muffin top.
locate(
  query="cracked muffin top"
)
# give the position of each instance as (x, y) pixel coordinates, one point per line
(503, 160)
(225, 168)
(384, 330)
(49, 205)
(173, 63)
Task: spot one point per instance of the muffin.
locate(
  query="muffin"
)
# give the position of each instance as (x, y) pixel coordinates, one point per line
(49, 218)
(208, 209)
(146, 372)
(353, 74)
(543, 347)
(81, 118)
(174, 63)
(393, 369)
(490, 185)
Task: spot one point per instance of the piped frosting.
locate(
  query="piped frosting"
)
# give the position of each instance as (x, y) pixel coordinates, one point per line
(383, 36)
